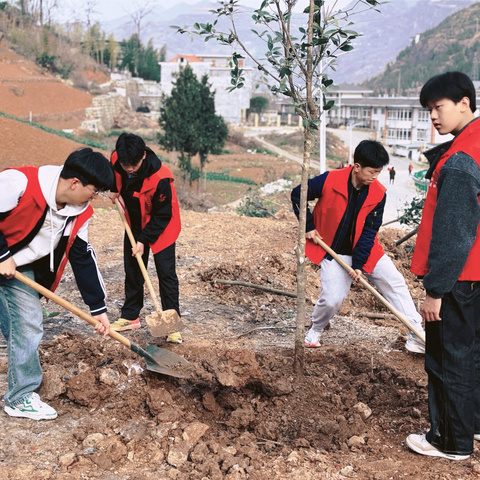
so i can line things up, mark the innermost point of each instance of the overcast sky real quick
(111, 9)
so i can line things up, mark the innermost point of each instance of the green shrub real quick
(47, 61)
(222, 177)
(253, 206)
(412, 212)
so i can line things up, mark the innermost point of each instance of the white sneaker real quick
(32, 407)
(414, 344)
(419, 444)
(312, 339)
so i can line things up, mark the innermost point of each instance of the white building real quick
(232, 105)
(400, 122)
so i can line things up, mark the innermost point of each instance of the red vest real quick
(329, 211)
(468, 143)
(28, 212)
(20, 222)
(145, 197)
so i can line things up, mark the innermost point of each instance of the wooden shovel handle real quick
(377, 295)
(65, 304)
(138, 256)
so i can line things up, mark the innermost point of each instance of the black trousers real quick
(134, 281)
(452, 362)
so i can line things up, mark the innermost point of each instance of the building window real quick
(423, 115)
(422, 135)
(359, 112)
(399, 134)
(400, 114)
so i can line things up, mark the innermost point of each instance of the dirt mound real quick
(243, 413)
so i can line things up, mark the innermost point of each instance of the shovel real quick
(161, 323)
(157, 359)
(377, 295)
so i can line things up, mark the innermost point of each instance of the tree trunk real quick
(300, 252)
(203, 161)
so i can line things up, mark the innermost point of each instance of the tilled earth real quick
(242, 413)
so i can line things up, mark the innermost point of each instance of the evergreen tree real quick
(131, 53)
(213, 128)
(140, 61)
(190, 125)
(148, 67)
(258, 104)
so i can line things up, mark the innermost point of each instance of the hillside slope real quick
(454, 44)
(27, 89)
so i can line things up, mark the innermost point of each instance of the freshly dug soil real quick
(242, 413)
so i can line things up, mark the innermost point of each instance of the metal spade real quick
(161, 323)
(157, 359)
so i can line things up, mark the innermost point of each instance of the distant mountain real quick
(384, 34)
(454, 44)
(157, 26)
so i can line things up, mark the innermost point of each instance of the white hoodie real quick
(12, 185)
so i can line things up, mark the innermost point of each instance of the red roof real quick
(188, 58)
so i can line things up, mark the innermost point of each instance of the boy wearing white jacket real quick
(44, 215)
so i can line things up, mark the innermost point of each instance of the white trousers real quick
(336, 284)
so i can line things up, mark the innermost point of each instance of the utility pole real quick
(322, 131)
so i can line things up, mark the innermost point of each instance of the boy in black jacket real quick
(447, 256)
(145, 189)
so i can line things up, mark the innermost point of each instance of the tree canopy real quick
(296, 58)
(189, 123)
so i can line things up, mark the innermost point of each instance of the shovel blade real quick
(164, 361)
(164, 323)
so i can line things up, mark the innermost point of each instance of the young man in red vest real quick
(44, 215)
(447, 256)
(347, 216)
(146, 190)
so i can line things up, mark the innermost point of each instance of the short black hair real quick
(130, 148)
(90, 168)
(370, 153)
(451, 85)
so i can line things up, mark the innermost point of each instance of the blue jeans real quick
(21, 322)
(452, 362)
